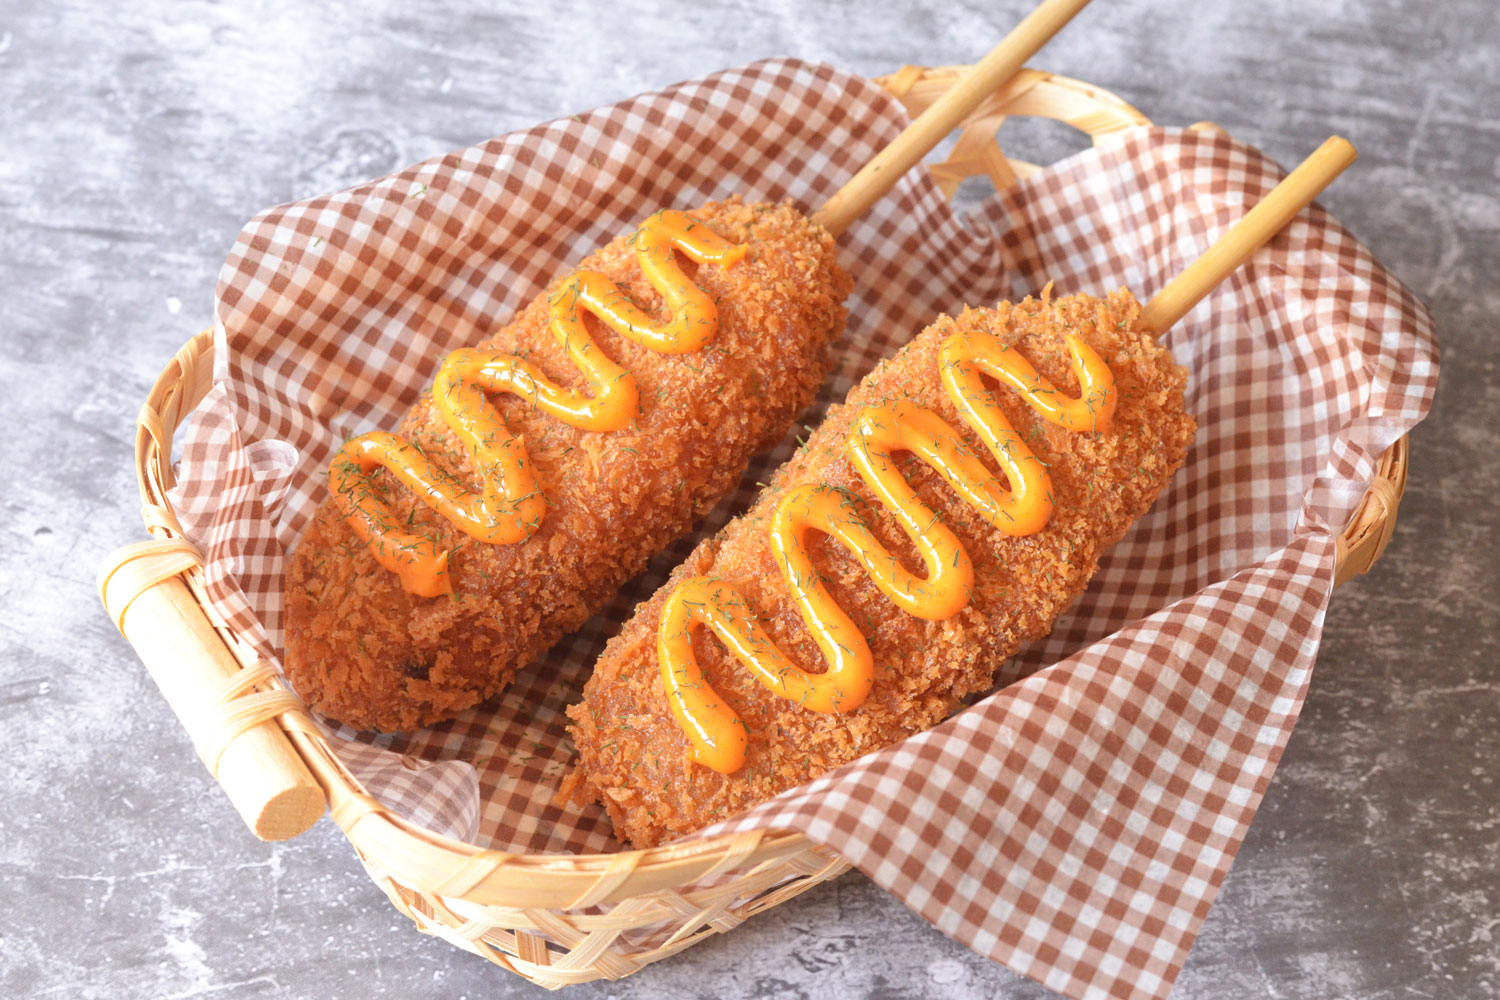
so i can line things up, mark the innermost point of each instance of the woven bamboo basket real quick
(554, 919)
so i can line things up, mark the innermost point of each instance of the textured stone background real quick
(134, 140)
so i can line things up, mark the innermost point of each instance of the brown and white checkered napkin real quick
(1075, 824)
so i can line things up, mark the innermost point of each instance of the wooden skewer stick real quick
(984, 78)
(1249, 234)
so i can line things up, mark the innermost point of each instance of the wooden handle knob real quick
(247, 752)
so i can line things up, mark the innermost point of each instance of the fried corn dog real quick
(557, 516)
(1026, 528)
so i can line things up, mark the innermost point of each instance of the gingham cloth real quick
(1077, 823)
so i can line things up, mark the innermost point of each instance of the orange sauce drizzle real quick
(718, 735)
(510, 504)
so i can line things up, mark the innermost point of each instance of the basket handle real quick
(1002, 63)
(237, 730)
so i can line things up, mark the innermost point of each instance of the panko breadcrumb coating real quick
(362, 650)
(633, 757)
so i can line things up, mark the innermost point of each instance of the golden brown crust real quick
(366, 653)
(631, 754)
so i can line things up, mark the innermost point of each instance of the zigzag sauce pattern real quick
(719, 736)
(510, 505)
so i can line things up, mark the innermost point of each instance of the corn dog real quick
(707, 702)
(551, 461)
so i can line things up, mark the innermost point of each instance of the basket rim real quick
(432, 863)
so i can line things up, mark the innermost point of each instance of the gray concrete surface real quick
(135, 139)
